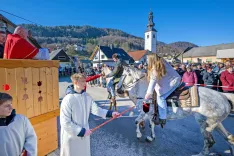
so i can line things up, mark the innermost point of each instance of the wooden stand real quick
(35, 92)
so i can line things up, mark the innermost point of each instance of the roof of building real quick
(150, 26)
(108, 51)
(207, 50)
(226, 53)
(54, 53)
(3, 18)
(137, 55)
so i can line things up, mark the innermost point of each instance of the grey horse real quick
(213, 108)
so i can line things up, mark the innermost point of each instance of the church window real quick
(154, 36)
(147, 36)
(103, 56)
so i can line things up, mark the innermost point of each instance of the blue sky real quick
(203, 22)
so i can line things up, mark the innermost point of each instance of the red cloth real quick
(18, 48)
(227, 79)
(24, 153)
(190, 77)
(91, 78)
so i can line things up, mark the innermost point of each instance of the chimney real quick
(111, 46)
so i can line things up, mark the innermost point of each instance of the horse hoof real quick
(149, 139)
(231, 139)
(131, 113)
(139, 135)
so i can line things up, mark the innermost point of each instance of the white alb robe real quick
(18, 135)
(74, 115)
(43, 54)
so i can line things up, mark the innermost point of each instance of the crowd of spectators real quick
(212, 76)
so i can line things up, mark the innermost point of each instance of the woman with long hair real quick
(164, 80)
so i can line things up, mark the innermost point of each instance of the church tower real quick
(150, 35)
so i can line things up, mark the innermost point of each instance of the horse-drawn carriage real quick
(33, 84)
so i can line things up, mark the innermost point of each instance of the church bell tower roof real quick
(150, 26)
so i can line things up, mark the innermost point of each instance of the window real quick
(154, 36)
(103, 56)
(209, 60)
(61, 57)
(147, 36)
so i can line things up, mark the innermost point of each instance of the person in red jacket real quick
(189, 77)
(17, 47)
(227, 79)
(89, 78)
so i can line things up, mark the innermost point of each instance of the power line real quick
(19, 17)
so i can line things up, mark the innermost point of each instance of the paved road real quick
(118, 138)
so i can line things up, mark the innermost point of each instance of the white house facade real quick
(103, 55)
(100, 58)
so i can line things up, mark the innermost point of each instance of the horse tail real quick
(230, 98)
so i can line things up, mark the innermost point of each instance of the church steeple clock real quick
(150, 35)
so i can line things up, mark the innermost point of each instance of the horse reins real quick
(131, 85)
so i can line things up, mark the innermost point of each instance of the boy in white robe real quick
(16, 132)
(74, 115)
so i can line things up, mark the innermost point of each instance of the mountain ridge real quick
(65, 36)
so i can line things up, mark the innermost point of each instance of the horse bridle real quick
(127, 86)
(131, 84)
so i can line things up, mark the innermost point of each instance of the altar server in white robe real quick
(16, 132)
(74, 115)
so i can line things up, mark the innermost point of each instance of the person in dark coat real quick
(179, 70)
(116, 74)
(227, 78)
(32, 40)
(221, 69)
(183, 69)
(203, 69)
(2, 43)
(209, 78)
(198, 73)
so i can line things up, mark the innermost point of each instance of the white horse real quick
(213, 108)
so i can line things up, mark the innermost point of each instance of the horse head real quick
(106, 71)
(133, 84)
